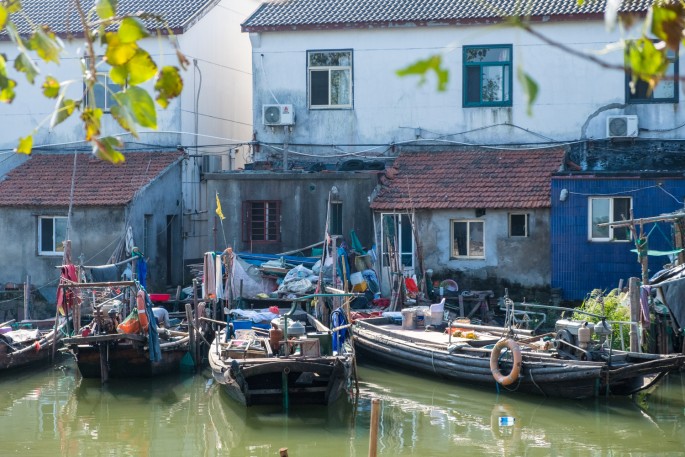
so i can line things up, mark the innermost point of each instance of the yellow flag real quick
(218, 208)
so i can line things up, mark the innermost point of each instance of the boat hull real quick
(120, 357)
(542, 375)
(280, 380)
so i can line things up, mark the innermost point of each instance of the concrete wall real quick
(575, 96)
(216, 113)
(520, 264)
(303, 198)
(96, 232)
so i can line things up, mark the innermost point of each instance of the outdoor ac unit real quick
(278, 114)
(622, 126)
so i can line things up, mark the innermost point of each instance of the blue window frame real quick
(487, 75)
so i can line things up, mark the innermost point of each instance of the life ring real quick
(494, 361)
(142, 313)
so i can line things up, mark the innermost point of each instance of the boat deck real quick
(420, 334)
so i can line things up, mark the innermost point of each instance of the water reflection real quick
(54, 412)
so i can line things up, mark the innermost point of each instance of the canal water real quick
(53, 412)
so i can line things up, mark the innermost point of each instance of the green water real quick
(53, 412)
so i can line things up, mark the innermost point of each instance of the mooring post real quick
(373, 437)
(283, 452)
(634, 294)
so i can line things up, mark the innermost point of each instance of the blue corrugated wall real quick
(578, 265)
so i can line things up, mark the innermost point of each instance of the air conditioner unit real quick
(278, 114)
(622, 126)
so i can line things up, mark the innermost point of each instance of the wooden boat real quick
(299, 361)
(106, 348)
(30, 343)
(579, 373)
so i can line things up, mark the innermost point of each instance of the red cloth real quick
(66, 297)
(355, 315)
(381, 302)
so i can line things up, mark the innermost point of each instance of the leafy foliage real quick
(129, 66)
(612, 305)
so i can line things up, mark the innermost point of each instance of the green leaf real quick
(141, 105)
(7, 86)
(91, 120)
(421, 67)
(530, 89)
(645, 61)
(131, 30)
(24, 64)
(50, 87)
(46, 44)
(25, 145)
(106, 149)
(65, 108)
(124, 116)
(105, 9)
(668, 21)
(118, 53)
(168, 85)
(3, 16)
(136, 71)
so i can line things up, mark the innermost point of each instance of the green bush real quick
(613, 306)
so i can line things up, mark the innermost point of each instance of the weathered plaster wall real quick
(303, 197)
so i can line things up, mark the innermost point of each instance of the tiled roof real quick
(304, 14)
(63, 18)
(469, 179)
(45, 179)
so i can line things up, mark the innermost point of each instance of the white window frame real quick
(405, 252)
(526, 225)
(330, 69)
(55, 243)
(610, 232)
(453, 252)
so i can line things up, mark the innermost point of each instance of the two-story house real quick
(326, 89)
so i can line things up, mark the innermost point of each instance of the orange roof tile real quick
(45, 179)
(469, 179)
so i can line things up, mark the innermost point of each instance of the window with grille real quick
(262, 221)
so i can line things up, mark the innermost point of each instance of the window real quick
(52, 231)
(262, 221)
(330, 79)
(467, 239)
(664, 92)
(604, 210)
(487, 75)
(518, 225)
(335, 224)
(103, 89)
(396, 232)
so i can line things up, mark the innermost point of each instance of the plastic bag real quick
(297, 273)
(131, 324)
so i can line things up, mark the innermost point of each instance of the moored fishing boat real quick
(138, 346)
(30, 342)
(568, 369)
(293, 359)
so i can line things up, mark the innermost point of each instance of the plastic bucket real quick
(408, 319)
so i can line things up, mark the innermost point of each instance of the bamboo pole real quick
(373, 435)
(191, 328)
(634, 294)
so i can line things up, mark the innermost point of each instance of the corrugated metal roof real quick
(496, 179)
(307, 14)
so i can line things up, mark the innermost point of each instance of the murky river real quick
(53, 412)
